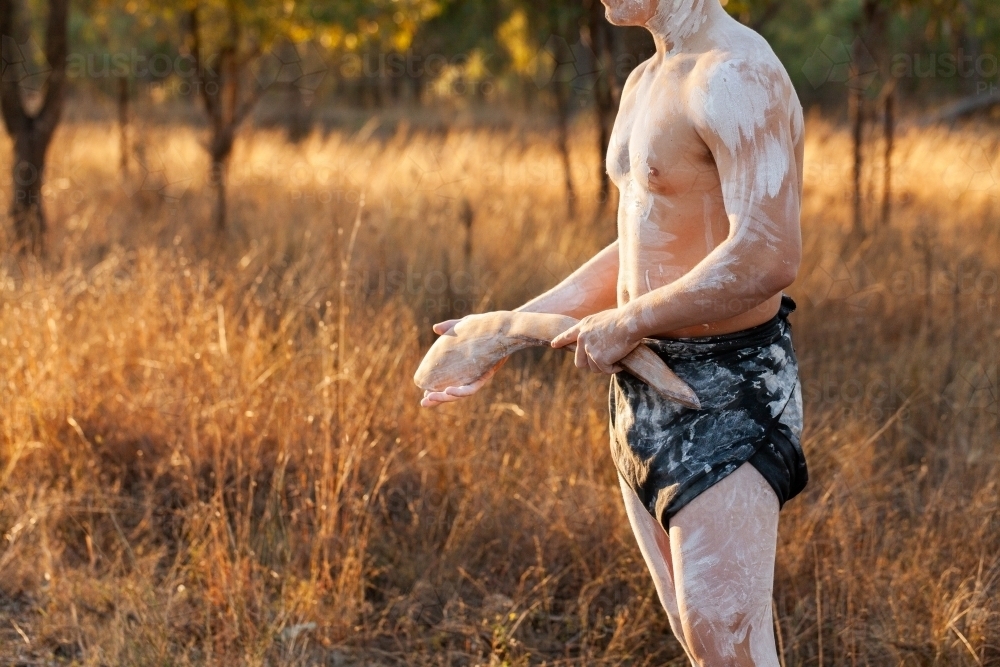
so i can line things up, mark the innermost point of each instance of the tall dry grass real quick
(211, 450)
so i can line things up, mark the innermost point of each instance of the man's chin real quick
(619, 18)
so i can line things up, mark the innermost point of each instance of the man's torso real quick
(671, 212)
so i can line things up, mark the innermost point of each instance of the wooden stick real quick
(479, 342)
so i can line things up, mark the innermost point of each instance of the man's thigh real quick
(723, 545)
(654, 543)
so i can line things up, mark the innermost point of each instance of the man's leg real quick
(723, 546)
(654, 543)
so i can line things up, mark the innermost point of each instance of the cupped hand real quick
(602, 340)
(450, 394)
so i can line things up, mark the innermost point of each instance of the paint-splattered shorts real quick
(751, 400)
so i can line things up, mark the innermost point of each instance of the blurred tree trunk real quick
(877, 17)
(889, 130)
(224, 102)
(418, 83)
(371, 75)
(562, 95)
(30, 131)
(857, 113)
(596, 33)
(123, 95)
(300, 114)
(971, 47)
(872, 27)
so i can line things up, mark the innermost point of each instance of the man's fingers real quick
(441, 328)
(435, 398)
(566, 337)
(465, 390)
(608, 370)
(594, 366)
(582, 359)
(451, 394)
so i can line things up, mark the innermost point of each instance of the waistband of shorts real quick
(756, 336)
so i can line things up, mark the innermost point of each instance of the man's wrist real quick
(629, 317)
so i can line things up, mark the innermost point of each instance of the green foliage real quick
(503, 36)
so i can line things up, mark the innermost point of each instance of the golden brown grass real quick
(211, 451)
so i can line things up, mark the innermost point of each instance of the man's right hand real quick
(434, 398)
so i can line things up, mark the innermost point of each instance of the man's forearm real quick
(724, 285)
(590, 289)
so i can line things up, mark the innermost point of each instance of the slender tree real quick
(227, 90)
(597, 33)
(123, 114)
(31, 122)
(239, 48)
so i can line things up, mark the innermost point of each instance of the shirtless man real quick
(707, 154)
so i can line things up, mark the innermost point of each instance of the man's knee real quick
(719, 638)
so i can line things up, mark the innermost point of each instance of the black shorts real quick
(751, 401)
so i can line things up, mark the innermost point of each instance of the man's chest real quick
(654, 143)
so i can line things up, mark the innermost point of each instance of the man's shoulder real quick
(740, 87)
(633, 77)
(745, 59)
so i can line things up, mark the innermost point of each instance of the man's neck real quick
(679, 24)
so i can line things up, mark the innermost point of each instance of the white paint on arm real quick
(741, 111)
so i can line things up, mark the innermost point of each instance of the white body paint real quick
(709, 129)
(707, 154)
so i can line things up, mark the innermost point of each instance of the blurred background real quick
(227, 227)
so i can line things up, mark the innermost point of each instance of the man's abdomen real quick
(655, 253)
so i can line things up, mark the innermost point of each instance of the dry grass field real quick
(212, 453)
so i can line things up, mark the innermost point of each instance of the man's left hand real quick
(602, 339)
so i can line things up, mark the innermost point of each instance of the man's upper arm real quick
(742, 113)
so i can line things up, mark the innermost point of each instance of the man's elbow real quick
(779, 275)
